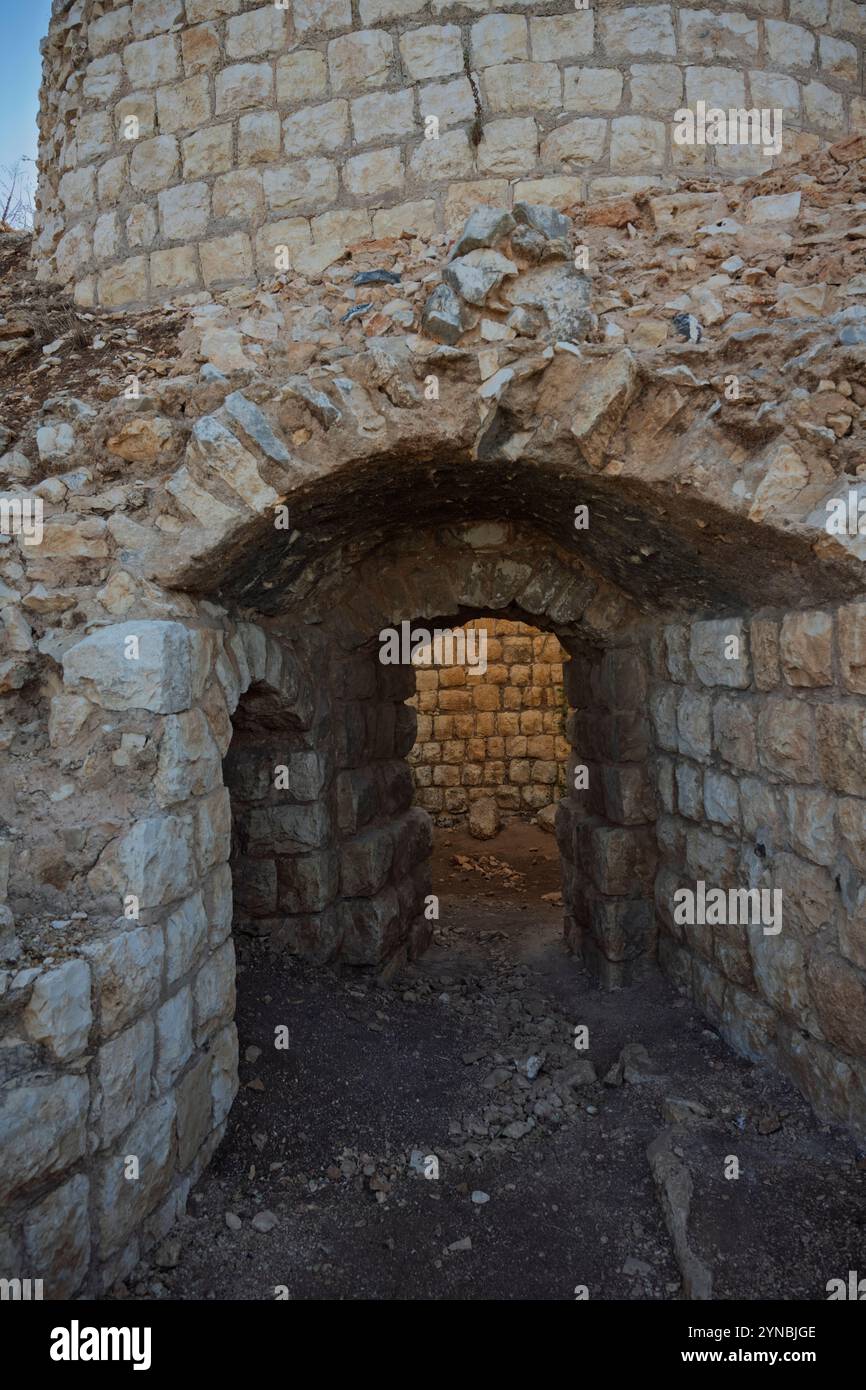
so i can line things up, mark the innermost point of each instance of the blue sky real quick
(22, 24)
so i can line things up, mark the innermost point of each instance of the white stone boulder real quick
(134, 665)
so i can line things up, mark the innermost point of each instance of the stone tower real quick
(191, 144)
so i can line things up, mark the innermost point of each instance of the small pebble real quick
(264, 1221)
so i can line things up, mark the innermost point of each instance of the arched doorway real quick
(689, 696)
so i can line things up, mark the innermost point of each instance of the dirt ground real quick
(543, 1184)
(92, 351)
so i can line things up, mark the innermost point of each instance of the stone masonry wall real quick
(119, 1042)
(192, 144)
(740, 767)
(117, 1034)
(605, 823)
(500, 734)
(329, 856)
(761, 783)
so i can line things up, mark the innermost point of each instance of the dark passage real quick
(436, 1063)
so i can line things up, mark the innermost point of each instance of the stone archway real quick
(434, 581)
(133, 1026)
(333, 859)
(161, 971)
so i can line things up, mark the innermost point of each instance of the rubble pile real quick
(770, 275)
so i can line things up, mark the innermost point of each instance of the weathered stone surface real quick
(243, 85)
(789, 45)
(290, 829)
(69, 714)
(690, 791)
(189, 760)
(224, 1084)
(255, 886)
(309, 882)
(515, 86)
(486, 227)
(787, 740)
(781, 207)
(360, 60)
(484, 819)
(637, 143)
(194, 1110)
(852, 931)
(734, 732)
(153, 163)
(638, 30)
(475, 275)
(811, 817)
(55, 441)
(806, 649)
(711, 857)
(694, 713)
(721, 799)
(840, 1001)
(142, 439)
(592, 90)
(319, 402)
(153, 861)
(809, 895)
(747, 1023)
(365, 861)
(827, 1079)
(212, 830)
(217, 452)
(121, 1204)
(621, 860)
(42, 1130)
(561, 293)
(764, 647)
(445, 316)
(57, 1238)
(218, 904)
(371, 927)
(127, 972)
(601, 405)
(58, 1012)
(173, 1038)
(186, 936)
(674, 1184)
(851, 632)
(852, 830)
(719, 652)
(663, 704)
(842, 747)
(214, 991)
(133, 665)
(628, 795)
(779, 964)
(123, 1071)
